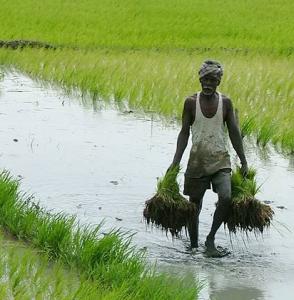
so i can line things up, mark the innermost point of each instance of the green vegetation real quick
(261, 90)
(27, 274)
(168, 209)
(147, 54)
(247, 213)
(171, 24)
(108, 259)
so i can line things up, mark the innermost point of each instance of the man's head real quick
(210, 75)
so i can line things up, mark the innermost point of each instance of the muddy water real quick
(101, 164)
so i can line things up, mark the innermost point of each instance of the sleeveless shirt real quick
(209, 151)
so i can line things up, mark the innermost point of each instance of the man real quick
(206, 114)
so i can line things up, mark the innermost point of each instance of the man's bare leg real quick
(193, 227)
(223, 183)
(220, 215)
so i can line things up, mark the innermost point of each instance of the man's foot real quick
(212, 251)
(192, 249)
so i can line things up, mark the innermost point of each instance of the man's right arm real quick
(183, 136)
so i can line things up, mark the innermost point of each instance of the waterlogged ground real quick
(102, 164)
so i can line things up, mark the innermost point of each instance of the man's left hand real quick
(244, 169)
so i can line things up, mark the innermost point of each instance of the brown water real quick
(101, 164)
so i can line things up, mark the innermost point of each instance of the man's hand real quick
(244, 169)
(173, 165)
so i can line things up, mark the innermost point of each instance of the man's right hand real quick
(173, 165)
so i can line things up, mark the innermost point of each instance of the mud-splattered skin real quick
(208, 104)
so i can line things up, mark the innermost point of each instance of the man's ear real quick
(218, 82)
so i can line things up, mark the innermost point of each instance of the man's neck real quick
(208, 97)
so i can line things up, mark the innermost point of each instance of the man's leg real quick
(222, 184)
(193, 227)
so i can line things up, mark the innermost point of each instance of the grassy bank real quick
(108, 259)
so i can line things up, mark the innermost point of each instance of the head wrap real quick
(211, 67)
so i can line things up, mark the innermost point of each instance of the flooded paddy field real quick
(100, 163)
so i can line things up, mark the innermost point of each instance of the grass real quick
(27, 274)
(108, 259)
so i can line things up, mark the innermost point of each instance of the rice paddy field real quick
(147, 54)
(139, 56)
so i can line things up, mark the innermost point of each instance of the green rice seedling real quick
(168, 209)
(160, 81)
(248, 126)
(26, 274)
(109, 260)
(247, 213)
(265, 134)
(54, 234)
(155, 24)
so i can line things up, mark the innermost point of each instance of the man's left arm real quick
(235, 135)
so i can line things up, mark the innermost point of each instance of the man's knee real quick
(198, 203)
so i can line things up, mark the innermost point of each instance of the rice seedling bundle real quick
(171, 212)
(168, 209)
(247, 213)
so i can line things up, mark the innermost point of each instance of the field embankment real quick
(119, 270)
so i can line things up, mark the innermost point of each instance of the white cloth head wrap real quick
(211, 67)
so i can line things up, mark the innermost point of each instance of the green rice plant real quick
(259, 26)
(168, 209)
(110, 260)
(160, 81)
(247, 213)
(26, 274)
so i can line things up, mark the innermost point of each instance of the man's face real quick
(209, 84)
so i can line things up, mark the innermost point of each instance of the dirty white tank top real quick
(209, 151)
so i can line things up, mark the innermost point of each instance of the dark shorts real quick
(220, 182)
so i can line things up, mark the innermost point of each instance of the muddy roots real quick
(168, 209)
(171, 216)
(247, 213)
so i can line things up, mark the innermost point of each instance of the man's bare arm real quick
(235, 135)
(184, 134)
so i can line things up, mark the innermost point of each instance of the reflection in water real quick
(70, 153)
(234, 293)
(291, 163)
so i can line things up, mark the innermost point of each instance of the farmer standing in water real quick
(206, 113)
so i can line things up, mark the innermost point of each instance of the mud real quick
(20, 44)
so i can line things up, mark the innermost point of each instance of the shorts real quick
(220, 181)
